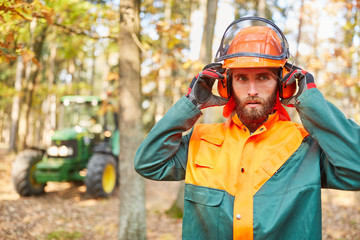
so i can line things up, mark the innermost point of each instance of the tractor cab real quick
(84, 147)
(89, 117)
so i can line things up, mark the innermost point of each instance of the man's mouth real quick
(252, 103)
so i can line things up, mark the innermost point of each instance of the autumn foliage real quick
(13, 15)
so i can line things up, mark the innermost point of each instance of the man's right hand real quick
(200, 89)
(305, 82)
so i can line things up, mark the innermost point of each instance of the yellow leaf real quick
(35, 61)
(112, 76)
(48, 15)
(27, 56)
(9, 38)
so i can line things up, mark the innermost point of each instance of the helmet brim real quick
(253, 62)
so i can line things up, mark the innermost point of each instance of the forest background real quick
(49, 49)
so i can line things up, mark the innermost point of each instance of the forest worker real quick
(258, 175)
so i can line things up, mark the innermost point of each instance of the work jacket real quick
(261, 185)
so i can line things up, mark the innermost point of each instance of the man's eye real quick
(264, 77)
(241, 78)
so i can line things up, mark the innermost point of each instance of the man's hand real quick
(200, 89)
(305, 82)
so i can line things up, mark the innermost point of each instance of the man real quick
(258, 175)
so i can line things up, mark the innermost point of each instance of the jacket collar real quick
(272, 118)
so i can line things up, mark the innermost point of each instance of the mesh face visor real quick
(253, 41)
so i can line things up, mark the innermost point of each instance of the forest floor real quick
(66, 212)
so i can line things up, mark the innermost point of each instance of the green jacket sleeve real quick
(163, 153)
(338, 138)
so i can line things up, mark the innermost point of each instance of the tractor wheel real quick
(22, 173)
(102, 175)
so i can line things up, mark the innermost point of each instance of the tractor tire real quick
(102, 175)
(22, 173)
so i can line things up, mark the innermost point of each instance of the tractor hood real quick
(67, 133)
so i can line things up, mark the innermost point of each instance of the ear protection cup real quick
(286, 91)
(224, 85)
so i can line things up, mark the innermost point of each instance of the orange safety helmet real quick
(258, 41)
(254, 43)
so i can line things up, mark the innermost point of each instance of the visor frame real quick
(221, 53)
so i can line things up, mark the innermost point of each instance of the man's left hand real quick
(305, 82)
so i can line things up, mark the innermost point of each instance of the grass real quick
(63, 235)
(175, 212)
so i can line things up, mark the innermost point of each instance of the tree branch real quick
(84, 33)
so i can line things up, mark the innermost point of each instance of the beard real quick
(258, 115)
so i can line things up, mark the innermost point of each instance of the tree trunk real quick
(21, 134)
(93, 72)
(206, 48)
(74, 85)
(37, 47)
(22, 126)
(50, 102)
(132, 219)
(15, 112)
(348, 43)
(261, 8)
(165, 70)
(208, 34)
(301, 17)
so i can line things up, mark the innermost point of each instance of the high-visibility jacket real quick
(264, 185)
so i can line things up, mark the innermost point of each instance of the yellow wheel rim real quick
(109, 178)
(31, 176)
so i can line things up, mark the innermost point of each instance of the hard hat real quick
(259, 40)
(253, 42)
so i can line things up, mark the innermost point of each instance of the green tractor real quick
(84, 148)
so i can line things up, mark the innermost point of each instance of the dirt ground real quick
(66, 212)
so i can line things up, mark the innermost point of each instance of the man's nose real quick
(252, 91)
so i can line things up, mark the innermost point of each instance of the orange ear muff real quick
(286, 91)
(224, 85)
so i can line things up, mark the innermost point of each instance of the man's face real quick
(254, 91)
